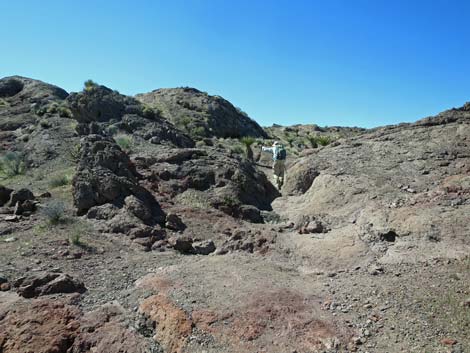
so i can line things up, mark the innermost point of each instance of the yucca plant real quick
(247, 141)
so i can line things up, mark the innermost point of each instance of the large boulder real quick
(199, 112)
(105, 174)
(47, 325)
(44, 283)
(4, 195)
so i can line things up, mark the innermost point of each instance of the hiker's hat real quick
(275, 143)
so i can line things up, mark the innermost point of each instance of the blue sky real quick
(333, 62)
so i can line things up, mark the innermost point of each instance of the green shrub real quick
(52, 108)
(124, 141)
(54, 212)
(74, 153)
(183, 123)
(198, 131)
(59, 181)
(64, 112)
(75, 238)
(237, 150)
(231, 202)
(324, 140)
(290, 140)
(12, 163)
(149, 112)
(45, 124)
(313, 141)
(89, 85)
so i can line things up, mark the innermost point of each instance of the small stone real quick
(63, 252)
(12, 218)
(357, 341)
(5, 287)
(10, 240)
(204, 247)
(448, 341)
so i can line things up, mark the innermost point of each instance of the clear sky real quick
(332, 62)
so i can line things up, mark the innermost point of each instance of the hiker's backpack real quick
(280, 153)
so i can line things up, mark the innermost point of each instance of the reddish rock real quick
(39, 326)
(448, 341)
(173, 326)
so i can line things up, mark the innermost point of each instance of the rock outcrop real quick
(105, 175)
(201, 114)
(409, 180)
(100, 109)
(209, 178)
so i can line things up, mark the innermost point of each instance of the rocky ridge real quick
(162, 246)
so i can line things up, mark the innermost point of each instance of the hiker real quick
(279, 162)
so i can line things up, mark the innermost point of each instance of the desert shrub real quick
(290, 140)
(74, 152)
(198, 131)
(45, 124)
(59, 180)
(52, 108)
(3, 103)
(184, 122)
(64, 112)
(89, 85)
(149, 112)
(324, 140)
(54, 212)
(313, 141)
(75, 238)
(230, 201)
(12, 163)
(237, 150)
(124, 141)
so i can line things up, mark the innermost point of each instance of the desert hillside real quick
(151, 224)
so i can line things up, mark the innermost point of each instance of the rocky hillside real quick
(200, 114)
(123, 231)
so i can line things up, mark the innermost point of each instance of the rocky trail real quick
(128, 232)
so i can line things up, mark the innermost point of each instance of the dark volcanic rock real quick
(211, 115)
(202, 178)
(47, 283)
(22, 98)
(106, 175)
(204, 247)
(10, 86)
(20, 196)
(99, 108)
(4, 195)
